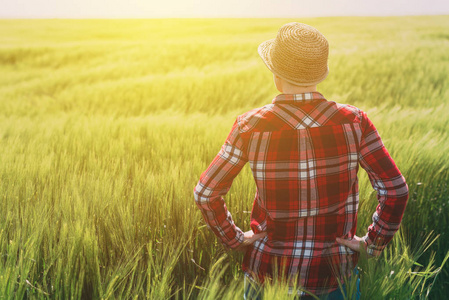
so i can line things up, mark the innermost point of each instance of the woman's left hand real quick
(250, 237)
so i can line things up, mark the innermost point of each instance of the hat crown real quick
(295, 32)
(298, 54)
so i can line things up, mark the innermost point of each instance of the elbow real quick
(201, 194)
(196, 195)
(402, 189)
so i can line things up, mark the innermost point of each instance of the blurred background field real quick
(106, 126)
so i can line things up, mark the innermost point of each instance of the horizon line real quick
(216, 17)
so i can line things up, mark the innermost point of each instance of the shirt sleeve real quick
(215, 182)
(388, 182)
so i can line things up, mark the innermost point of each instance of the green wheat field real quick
(106, 126)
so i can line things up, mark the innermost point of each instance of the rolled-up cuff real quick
(374, 247)
(235, 242)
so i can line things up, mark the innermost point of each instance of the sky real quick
(212, 8)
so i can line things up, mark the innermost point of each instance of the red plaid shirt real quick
(304, 153)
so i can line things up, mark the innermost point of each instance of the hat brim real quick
(264, 51)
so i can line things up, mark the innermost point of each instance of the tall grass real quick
(106, 126)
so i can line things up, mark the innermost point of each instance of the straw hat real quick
(298, 54)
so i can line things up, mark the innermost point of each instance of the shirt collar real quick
(298, 98)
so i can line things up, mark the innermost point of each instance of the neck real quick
(290, 89)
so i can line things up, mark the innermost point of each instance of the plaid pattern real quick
(304, 153)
